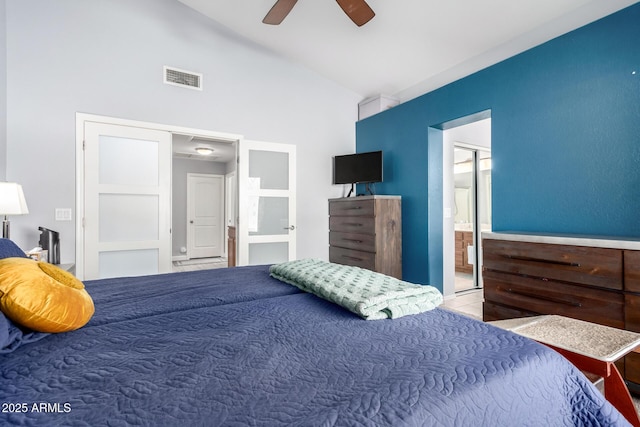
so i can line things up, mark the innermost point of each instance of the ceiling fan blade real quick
(358, 10)
(279, 11)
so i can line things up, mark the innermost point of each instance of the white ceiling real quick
(184, 146)
(411, 46)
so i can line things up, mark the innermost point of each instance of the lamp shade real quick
(12, 200)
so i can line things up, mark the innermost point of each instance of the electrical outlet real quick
(63, 214)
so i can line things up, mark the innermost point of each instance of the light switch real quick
(63, 214)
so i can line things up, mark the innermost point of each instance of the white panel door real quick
(205, 215)
(127, 201)
(266, 231)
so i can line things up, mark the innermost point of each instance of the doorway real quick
(466, 203)
(472, 213)
(196, 160)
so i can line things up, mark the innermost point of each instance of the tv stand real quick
(367, 189)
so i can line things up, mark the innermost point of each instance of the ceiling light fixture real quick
(205, 151)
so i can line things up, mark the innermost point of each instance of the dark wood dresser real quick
(588, 278)
(366, 232)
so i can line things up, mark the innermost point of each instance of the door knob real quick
(291, 227)
(191, 222)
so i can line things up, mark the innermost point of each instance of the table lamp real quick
(12, 202)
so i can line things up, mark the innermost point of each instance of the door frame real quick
(221, 224)
(81, 119)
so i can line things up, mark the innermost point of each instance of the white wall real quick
(3, 91)
(106, 56)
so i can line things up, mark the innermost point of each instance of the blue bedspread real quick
(223, 357)
(134, 297)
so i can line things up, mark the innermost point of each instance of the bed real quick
(237, 347)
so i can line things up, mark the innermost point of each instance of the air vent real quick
(182, 78)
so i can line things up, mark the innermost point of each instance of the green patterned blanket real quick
(368, 294)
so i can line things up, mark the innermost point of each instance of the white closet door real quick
(127, 201)
(267, 203)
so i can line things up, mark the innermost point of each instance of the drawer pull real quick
(355, 208)
(352, 258)
(546, 261)
(352, 240)
(354, 224)
(544, 298)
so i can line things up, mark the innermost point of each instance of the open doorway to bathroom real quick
(472, 212)
(467, 202)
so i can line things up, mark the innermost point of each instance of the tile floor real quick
(468, 302)
(463, 281)
(199, 264)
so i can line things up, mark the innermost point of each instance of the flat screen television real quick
(359, 168)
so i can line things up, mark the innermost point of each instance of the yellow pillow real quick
(43, 297)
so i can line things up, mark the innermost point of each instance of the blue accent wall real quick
(565, 142)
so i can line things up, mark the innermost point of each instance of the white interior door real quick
(127, 201)
(266, 231)
(205, 215)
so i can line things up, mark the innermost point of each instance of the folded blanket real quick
(366, 293)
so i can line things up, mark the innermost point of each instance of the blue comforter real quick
(135, 297)
(249, 350)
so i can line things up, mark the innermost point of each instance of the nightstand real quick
(589, 346)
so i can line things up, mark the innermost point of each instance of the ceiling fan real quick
(357, 10)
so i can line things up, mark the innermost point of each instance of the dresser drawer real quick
(352, 207)
(632, 271)
(548, 297)
(352, 257)
(585, 265)
(361, 242)
(632, 312)
(358, 225)
(632, 367)
(492, 311)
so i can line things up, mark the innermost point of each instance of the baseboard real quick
(179, 258)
